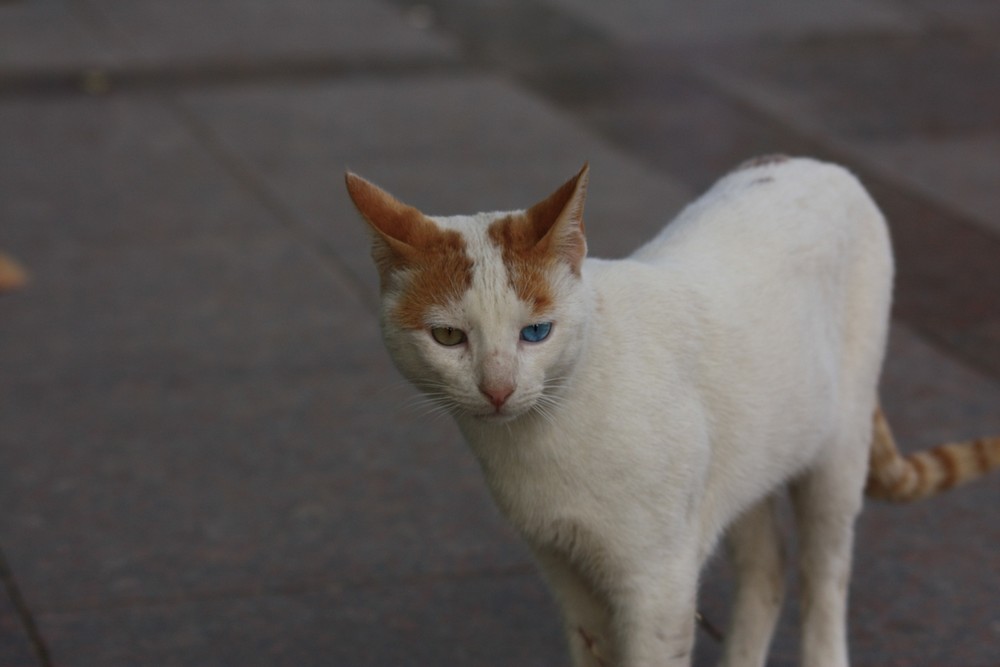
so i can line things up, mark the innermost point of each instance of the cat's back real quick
(781, 243)
(768, 212)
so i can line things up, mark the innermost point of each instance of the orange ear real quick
(557, 220)
(387, 215)
(399, 229)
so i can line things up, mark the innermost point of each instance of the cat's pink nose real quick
(497, 395)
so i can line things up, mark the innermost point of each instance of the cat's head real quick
(487, 313)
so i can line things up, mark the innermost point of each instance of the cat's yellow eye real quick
(448, 336)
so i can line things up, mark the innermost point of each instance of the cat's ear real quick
(558, 220)
(398, 228)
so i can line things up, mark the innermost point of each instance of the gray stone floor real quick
(205, 455)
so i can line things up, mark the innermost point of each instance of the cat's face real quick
(485, 313)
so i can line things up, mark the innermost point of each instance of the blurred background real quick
(205, 455)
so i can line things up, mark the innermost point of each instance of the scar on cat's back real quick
(763, 161)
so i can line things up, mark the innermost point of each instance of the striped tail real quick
(12, 276)
(898, 478)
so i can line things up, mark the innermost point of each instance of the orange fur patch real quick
(437, 267)
(527, 262)
(948, 467)
(569, 244)
(533, 242)
(439, 275)
(982, 454)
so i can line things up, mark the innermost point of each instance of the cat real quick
(628, 413)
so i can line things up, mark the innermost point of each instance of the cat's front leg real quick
(654, 618)
(585, 612)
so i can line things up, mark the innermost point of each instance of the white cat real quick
(627, 413)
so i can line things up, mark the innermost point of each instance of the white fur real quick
(679, 391)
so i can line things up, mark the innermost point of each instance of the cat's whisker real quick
(428, 404)
(549, 402)
(434, 401)
(435, 412)
(418, 400)
(542, 411)
(393, 386)
(545, 406)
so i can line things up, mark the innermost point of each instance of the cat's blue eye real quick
(536, 333)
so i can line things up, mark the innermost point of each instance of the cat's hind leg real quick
(757, 553)
(827, 500)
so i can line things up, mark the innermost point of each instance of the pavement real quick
(206, 457)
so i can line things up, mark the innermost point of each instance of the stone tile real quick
(871, 87)
(926, 582)
(724, 20)
(488, 621)
(259, 301)
(217, 430)
(136, 240)
(108, 171)
(195, 399)
(673, 120)
(522, 36)
(947, 285)
(961, 172)
(15, 646)
(933, 397)
(51, 35)
(235, 488)
(237, 31)
(972, 15)
(445, 144)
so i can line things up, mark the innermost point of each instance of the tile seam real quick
(24, 613)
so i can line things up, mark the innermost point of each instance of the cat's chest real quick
(536, 482)
(556, 513)
(578, 484)
(539, 476)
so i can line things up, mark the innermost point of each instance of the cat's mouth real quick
(529, 404)
(505, 413)
(497, 415)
